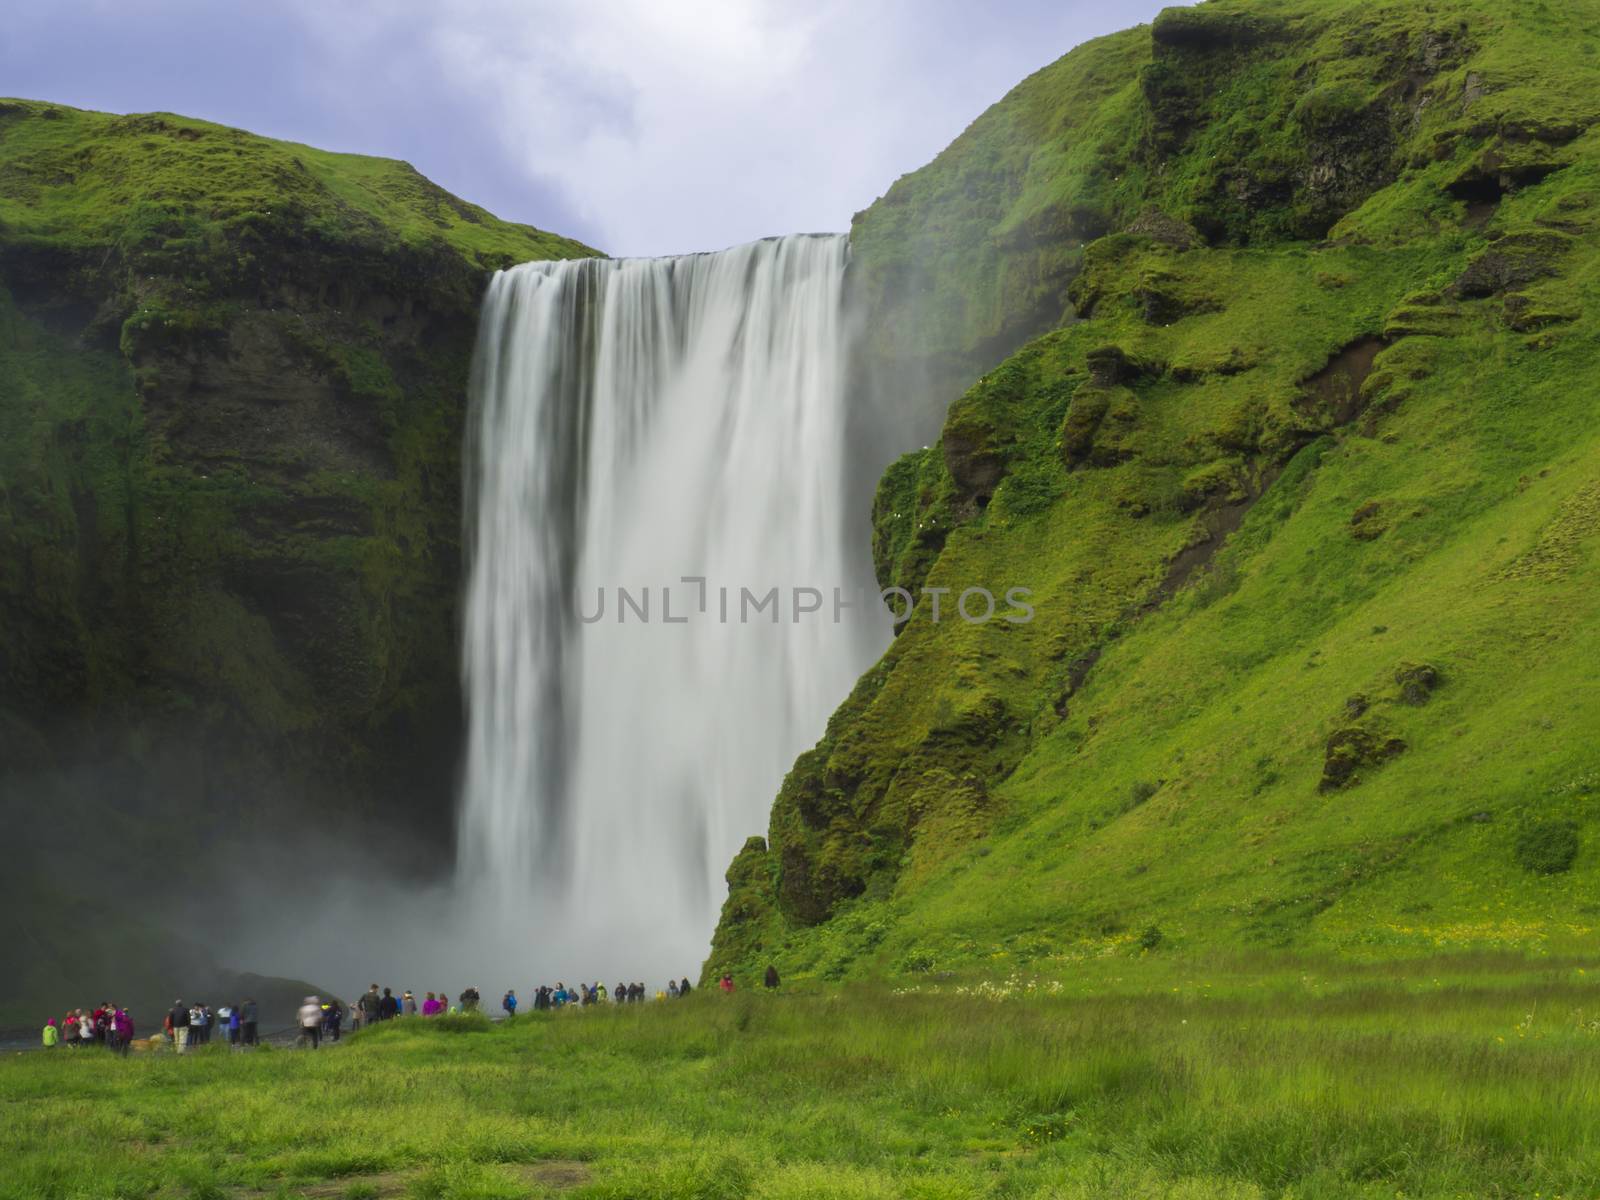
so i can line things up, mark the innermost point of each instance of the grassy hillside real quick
(1155, 1079)
(1308, 499)
(152, 182)
(232, 379)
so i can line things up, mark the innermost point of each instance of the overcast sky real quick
(638, 126)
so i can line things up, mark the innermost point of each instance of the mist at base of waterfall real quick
(353, 925)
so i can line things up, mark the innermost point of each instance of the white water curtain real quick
(636, 422)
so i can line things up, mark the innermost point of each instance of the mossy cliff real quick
(232, 379)
(1303, 472)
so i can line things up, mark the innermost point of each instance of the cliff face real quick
(1302, 486)
(232, 379)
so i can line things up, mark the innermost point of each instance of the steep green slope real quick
(232, 378)
(1308, 500)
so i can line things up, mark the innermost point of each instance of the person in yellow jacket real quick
(52, 1035)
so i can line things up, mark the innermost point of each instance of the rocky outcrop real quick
(1352, 749)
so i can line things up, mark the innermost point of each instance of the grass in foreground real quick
(1148, 1077)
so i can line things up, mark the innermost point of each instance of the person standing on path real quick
(121, 1031)
(179, 1016)
(311, 1022)
(52, 1035)
(248, 1014)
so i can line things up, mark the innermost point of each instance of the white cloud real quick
(676, 125)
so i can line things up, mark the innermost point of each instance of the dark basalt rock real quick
(1417, 682)
(1082, 422)
(1112, 365)
(976, 467)
(1501, 167)
(808, 890)
(1368, 522)
(1351, 749)
(1511, 262)
(1169, 231)
(1160, 303)
(1494, 272)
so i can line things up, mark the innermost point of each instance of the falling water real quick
(637, 423)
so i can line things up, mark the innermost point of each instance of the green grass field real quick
(1148, 1075)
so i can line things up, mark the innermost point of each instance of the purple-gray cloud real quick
(639, 126)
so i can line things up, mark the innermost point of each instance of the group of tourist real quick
(324, 1019)
(549, 999)
(373, 1007)
(189, 1025)
(108, 1025)
(185, 1025)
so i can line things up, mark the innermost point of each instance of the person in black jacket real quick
(248, 1014)
(370, 1004)
(388, 1007)
(179, 1016)
(771, 979)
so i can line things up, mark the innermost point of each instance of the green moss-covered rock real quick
(1352, 749)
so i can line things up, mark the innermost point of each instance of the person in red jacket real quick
(726, 984)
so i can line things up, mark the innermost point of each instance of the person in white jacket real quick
(311, 1021)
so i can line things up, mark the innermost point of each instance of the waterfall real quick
(639, 426)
